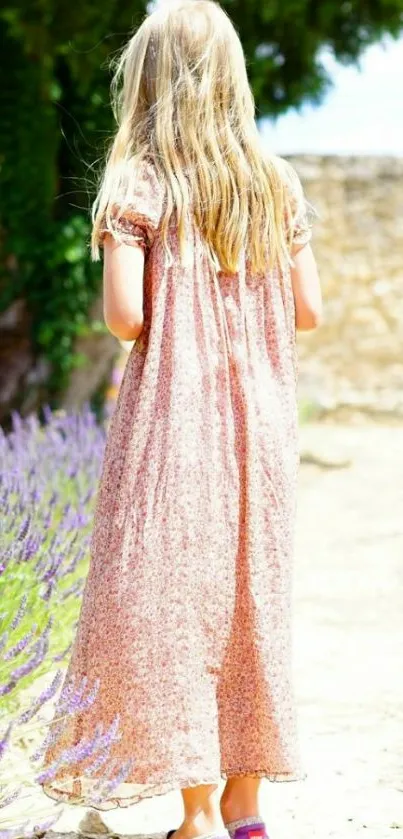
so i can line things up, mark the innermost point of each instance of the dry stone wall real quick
(355, 359)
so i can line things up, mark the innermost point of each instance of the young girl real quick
(185, 618)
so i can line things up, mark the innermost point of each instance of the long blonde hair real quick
(181, 97)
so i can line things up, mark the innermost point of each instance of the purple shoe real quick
(247, 829)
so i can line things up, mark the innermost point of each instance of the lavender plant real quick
(48, 482)
(48, 479)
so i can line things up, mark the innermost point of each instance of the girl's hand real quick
(123, 289)
(306, 288)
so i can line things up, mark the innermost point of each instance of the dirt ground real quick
(348, 650)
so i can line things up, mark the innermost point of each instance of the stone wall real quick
(355, 359)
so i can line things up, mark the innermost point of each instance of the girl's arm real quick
(123, 289)
(306, 288)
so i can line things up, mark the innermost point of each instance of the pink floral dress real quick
(186, 614)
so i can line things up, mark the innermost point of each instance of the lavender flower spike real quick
(5, 740)
(20, 613)
(47, 694)
(40, 650)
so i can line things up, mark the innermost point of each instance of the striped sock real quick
(250, 820)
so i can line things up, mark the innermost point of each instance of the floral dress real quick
(185, 622)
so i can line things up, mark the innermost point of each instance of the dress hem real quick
(151, 791)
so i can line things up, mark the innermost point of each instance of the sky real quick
(362, 113)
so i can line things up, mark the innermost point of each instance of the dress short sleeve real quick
(134, 218)
(299, 218)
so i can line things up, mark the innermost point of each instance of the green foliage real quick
(283, 40)
(55, 123)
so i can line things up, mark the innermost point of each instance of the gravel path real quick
(348, 646)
